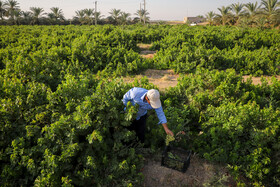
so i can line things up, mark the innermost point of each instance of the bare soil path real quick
(165, 79)
(145, 51)
(257, 80)
(200, 173)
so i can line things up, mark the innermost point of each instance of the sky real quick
(158, 9)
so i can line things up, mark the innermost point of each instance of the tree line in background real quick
(11, 14)
(267, 14)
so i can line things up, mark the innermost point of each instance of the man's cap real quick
(153, 96)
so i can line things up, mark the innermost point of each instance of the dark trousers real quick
(139, 127)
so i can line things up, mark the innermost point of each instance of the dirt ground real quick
(145, 52)
(199, 173)
(257, 80)
(164, 79)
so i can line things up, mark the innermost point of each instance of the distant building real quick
(193, 20)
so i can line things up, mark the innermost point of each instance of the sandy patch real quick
(147, 55)
(145, 52)
(257, 80)
(199, 173)
(163, 79)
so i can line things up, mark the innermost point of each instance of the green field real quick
(61, 119)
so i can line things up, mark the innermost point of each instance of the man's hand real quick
(169, 132)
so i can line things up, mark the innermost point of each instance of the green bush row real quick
(249, 51)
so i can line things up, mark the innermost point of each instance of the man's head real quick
(153, 98)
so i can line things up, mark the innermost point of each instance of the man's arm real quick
(167, 130)
(163, 121)
(127, 97)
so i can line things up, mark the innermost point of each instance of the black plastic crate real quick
(176, 158)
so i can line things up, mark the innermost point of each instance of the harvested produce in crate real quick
(168, 139)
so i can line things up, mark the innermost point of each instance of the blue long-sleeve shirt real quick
(137, 95)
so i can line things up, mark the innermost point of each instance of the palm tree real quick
(2, 10)
(270, 6)
(139, 14)
(210, 17)
(12, 6)
(98, 16)
(56, 14)
(238, 11)
(80, 15)
(51, 17)
(270, 10)
(17, 16)
(115, 15)
(261, 22)
(225, 14)
(124, 18)
(36, 13)
(26, 17)
(278, 13)
(89, 13)
(252, 8)
(277, 17)
(143, 15)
